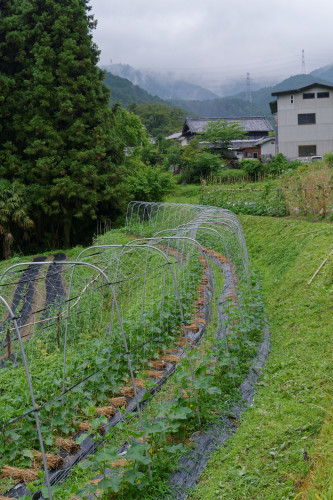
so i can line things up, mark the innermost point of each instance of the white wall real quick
(291, 135)
(268, 148)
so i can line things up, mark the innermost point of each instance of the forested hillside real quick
(225, 106)
(125, 92)
(165, 86)
(238, 105)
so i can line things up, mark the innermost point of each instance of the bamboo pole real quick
(321, 265)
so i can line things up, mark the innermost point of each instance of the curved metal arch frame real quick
(32, 394)
(148, 247)
(71, 263)
(202, 211)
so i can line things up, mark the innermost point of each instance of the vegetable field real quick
(110, 362)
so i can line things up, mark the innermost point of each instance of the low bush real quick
(251, 167)
(149, 183)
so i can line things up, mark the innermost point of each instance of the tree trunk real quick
(67, 224)
(7, 242)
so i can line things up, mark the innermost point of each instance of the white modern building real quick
(304, 121)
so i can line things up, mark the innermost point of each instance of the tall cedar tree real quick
(57, 132)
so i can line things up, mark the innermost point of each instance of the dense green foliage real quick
(197, 162)
(13, 213)
(149, 182)
(58, 135)
(159, 118)
(221, 132)
(56, 126)
(258, 199)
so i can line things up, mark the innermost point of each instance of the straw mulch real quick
(26, 475)
(53, 461)
(121, 462)
(158, 364)
(154, 374)
(118, 402)
(171, 358)
(86, 427)
(67, 445)
(107, 411)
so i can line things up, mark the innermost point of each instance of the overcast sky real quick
(219, 39)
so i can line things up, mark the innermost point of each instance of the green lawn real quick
(274, 449)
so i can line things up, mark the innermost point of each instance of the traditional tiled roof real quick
(248, 123)
(176, 135)
(250, 143)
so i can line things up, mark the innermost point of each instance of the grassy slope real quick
(274, 449)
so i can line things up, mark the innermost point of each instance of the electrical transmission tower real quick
(248, 88)
(303, 72)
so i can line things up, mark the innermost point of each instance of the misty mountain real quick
(162, 85)
(235, 86)
(326, 72)
(237, 105)
(262, 97)
(125, 92)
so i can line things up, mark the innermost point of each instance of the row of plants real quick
(89, 360)
(304, 192)
(170, 419)
(266, 200)
(90, 394)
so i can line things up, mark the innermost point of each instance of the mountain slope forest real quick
(165, 86)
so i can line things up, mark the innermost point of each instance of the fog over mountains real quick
(130, 85)
(168, 86)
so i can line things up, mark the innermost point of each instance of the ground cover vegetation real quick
(218, 370)
(282, 448)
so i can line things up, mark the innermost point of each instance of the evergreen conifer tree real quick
(57, 132)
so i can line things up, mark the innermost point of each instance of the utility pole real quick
(303, 72)
(248, 88)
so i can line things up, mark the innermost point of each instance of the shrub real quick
(251, 167)
(149, 183)
(202, 165)
(280, 164)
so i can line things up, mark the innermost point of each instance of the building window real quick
(248, 154)
(306, 118)
(255, 155)
(322, 95)
(309, 95)
(291, 99)
(307, 150)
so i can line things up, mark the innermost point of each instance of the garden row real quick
(132, 314)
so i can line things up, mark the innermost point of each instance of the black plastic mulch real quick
(55, 292)
(23, 295)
